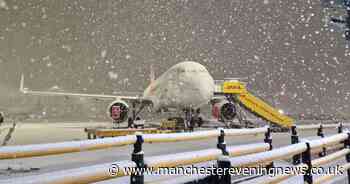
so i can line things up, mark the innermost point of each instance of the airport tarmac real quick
(36, 133)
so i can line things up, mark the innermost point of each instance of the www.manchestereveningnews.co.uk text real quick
(212, 170)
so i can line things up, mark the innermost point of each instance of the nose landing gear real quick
(192, 118)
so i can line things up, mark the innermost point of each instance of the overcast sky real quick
(281, 48)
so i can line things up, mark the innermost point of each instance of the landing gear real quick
(132, 119)
(135, 117)
(192, 118)
(187, 119)
(130, 122)
(196, 118)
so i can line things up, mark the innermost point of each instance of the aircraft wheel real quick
(200, 122)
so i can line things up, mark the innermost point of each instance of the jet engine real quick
(118, 111)
(224, 111)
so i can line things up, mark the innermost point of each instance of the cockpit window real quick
(180, 70)
(190, 70)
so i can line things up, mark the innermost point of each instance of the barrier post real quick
(268, 140)
(347, 156)
(88, 133)
(295, 140)
(306, 159)
(320, 133)
(221, 142)
(137, 157)
(340, 128)
(223, 175)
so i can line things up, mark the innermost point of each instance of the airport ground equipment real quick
(236, 92)
(93, 133)
(170, 125)
(227, 157)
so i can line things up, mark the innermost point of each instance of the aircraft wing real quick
(137, 99)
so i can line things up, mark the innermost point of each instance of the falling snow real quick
(3, 5)
(112, 75)
(285, 51)
(104, 53)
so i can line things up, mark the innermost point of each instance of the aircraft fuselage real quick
(185, 85)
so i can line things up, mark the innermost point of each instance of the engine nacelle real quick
(224, 111)
(118, 111)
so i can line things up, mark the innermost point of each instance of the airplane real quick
(185, 88)
(342, 23)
